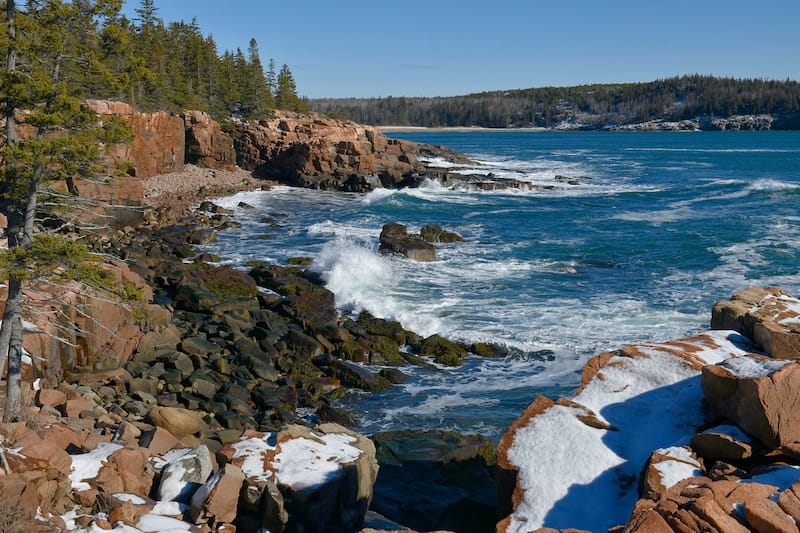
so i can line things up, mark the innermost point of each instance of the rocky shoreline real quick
(207, 399)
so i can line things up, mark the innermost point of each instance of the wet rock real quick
(442, 351)
(352, 374)
(394, 238)
(434, 233)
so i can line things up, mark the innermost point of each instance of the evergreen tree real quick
(286, 92)
(272, 78)
(61, 142)
(260, 96)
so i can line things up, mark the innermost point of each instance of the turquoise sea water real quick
(668, 224)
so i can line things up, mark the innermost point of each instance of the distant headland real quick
(681, 103)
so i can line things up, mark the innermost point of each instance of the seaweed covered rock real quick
(442, 351)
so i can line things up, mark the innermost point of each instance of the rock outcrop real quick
(206, 144)
(767, 315)
(396, 239)
(760, 395)
(159, 144)
(742, 475)
(324, 153)
(73, 329)
(561, 455)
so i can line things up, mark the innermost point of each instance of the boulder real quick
(768, 315)
(306, 301)
(665, 468)
(431, 480)
(759, 394)
(434, 233)
(301, 479)
(185, 471)
(177, 421)
(725, 443)
(442, 351)
(352, 374)
(395, 239)
(217, 500)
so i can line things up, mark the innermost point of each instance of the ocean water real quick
(667, 224)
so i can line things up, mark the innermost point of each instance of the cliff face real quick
(322, 153)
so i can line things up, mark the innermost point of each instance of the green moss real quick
(443, 351)
(482, 349)
(300, 261)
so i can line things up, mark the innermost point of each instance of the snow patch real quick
(589, 478)
(305, 463)
(683, 466)
(86, 466)
(750, 367)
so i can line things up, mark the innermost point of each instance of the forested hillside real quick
(587, 106)
(147, 62)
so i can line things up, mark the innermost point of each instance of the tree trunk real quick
(14, 382)
(12, 324)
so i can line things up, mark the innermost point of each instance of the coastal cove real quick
(658, 227)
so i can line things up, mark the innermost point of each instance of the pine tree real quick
(286, 92)
(258, 86)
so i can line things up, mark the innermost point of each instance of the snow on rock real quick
(331, 470)
(306, 463)
(752, 367)
(87, 466)
(667, 467)
(768, 315)
(184, 473)
(760, 395)
(575, 464)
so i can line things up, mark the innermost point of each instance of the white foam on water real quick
(378, 196)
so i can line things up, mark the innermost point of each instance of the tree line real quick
(594, 106)
(150, 63)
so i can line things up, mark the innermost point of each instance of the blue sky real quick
(364, 48)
